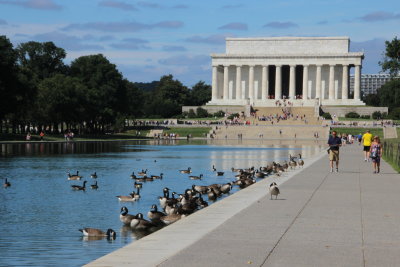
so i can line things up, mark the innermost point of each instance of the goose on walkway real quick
(74, 176)
(189, 170)
(94, 186)
(138, 223)
(78, 187)
(97, 232)
(93, 175)
(124, 217)
(193, 177)
(274, 190)
(6, 183)
(300, 161)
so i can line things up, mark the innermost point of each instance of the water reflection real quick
(52, 212)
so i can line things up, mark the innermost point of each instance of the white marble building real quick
(304, 70)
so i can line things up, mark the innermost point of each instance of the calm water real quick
(40, 214)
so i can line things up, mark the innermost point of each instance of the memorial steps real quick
(312, 119)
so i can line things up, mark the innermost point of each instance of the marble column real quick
(357, 81)
(331, 82)
(238, 82)
(318, 83)
(278, 82)
(345, 82)
(226, 82)
(214, 94)
(251, 83)
(264, 83)
(305, 82)
(292, 81)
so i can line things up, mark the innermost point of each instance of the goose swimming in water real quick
(189, 170)
(94, 186)
(196, 177)
(143, 172)
(78, 187)
(6, 183)
(154, 214)
(129, 198)
(73, 176)
(124, 217)
(98, 233)
(138, 223)
(93, 175)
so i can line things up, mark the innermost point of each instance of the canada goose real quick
(94, 186)
(129, 198)
(96, 232)
(285, 165)
(226, 188)
(78, 187)
(196, 177)
(165, 197)
(213, 168)
(138, 223)
(74, 176)
(220, 173)
(93, 175)
(168, 219)
(211, 194)
(157, 176)
(138, 185)
(148, 178)
(140, 179)
(292, 164)
(202, 189)
(171, 209)
(259, 174)
(137, 194)
(6, 183)
(189, 170)
(143, 172)
(236, 170)
(133, 176)
(154, 214)
(274, 190)
(300, 161)
(124, 217)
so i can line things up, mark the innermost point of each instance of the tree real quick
(41, 59)
(389, 94)
(106, 96)
(200, 94)
(372, 100)
(391, 60)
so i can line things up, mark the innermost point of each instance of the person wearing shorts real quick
(367, 140)
(334, 143)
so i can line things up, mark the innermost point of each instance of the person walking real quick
(376, 151)
(367, 140)
(334, 143)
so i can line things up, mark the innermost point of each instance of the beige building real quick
(307, 71)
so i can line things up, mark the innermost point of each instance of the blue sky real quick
(148, 39)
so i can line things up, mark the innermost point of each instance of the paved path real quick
(350, 218)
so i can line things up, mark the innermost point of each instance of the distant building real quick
(370, 83)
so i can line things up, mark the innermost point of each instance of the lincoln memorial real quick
(306, 71)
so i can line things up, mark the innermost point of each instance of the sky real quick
(149, 39)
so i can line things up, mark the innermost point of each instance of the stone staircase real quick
(309, 112)
(390, 132)
(270, 132)
(155, 132)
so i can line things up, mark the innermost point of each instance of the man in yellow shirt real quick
(367, 140)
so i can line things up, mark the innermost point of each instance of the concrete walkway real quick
(350, 218)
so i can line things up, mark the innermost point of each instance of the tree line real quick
(39, 90)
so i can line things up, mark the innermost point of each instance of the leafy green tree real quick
(134, 100)
(372, 100)
(200, 94)
(41, 59)
(391, 60)
(389, 94)
(106, 96)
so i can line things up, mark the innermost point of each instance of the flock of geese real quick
(176, 206)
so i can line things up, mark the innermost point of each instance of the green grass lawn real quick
(356, 131)
(394, 142)
(354, 119)
(194, 131)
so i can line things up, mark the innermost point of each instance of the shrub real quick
(395, 114)
(327, 116)
(191, 114)
(201, 112)
(219, 114)
(376, 115)
(230, 117)
(365, 117)
(352, 115)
